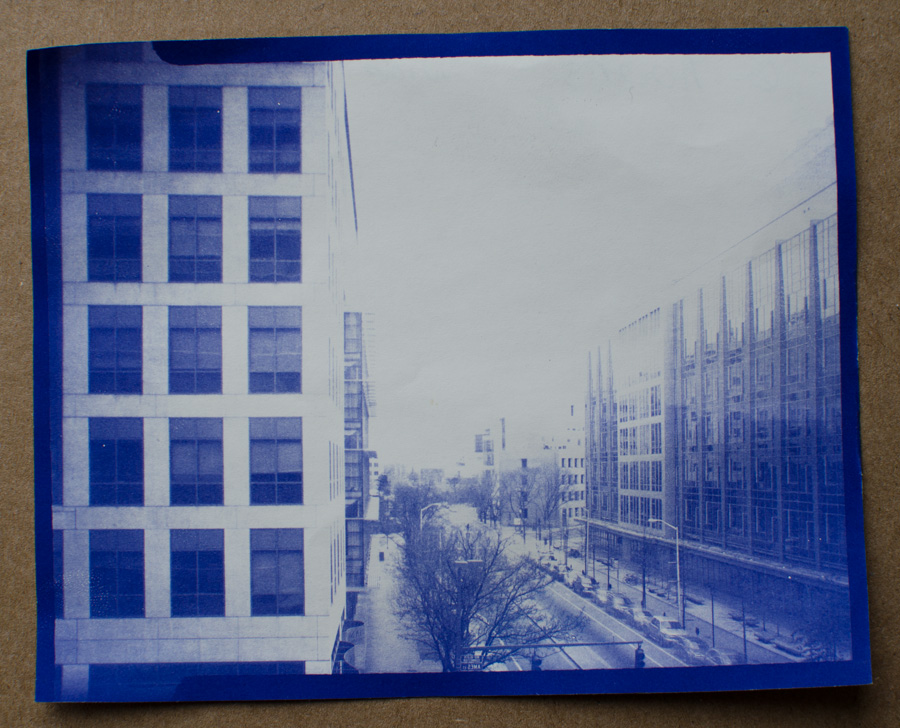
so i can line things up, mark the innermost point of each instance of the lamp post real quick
(464, 569)
(678, 585)
(644, 564)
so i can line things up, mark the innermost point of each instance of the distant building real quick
(374, 475)
(361, 506)
(199, 512)
(719, 414)
(568, 448)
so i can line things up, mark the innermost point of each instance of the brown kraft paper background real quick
(875, 62)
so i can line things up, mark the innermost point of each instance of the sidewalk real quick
(386, 649)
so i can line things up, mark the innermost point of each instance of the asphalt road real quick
(598, 627)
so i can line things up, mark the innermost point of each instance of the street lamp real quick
(678, 586)
(466, 572)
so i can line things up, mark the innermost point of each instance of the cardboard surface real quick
(873, 35)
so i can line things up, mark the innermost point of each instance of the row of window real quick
(640, 405)
(115, 349)
(640, 511)
(642, 440)
(579, 462)
(116, 461)
(115, 227)
(197, 561)
(643, 475)
(115, 128)
(571, 478)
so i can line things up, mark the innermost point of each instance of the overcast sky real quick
(514, 210)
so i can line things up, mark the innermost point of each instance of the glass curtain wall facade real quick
(720, 415)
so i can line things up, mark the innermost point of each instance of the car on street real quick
(666, 632)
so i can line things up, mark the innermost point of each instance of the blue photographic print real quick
(489, 364)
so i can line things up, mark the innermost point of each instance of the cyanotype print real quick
(615, 442)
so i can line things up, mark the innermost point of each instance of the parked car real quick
(666, 632)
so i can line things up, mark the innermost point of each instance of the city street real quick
(729, 633)
(387, 650)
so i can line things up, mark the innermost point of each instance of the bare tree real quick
(469, 603)
(547, 495)
(532, 494)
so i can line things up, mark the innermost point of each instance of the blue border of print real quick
(43, 126)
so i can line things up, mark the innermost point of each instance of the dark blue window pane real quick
(116, 574)
(116, 467)
(277, 571)
(195, 350)
(114, 127)
(195, 239)
(274, 133)
(275, 233)
(114, 238)
(197, 573)
(275, 343)
(276, 461)
(195, 129)
(195, 461)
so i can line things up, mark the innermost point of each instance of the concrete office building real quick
(199, 520)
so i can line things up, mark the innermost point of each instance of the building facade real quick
(361, 507)
(569, 448)
(716, 419)
(199, 512)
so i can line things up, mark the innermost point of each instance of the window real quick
(114, 349)
(195, 129)
(195, 462)
(198, 573)
(656, 475)
(117, 573)
(276, 460)
(195, 239)
(276, 571)
(275, 349)
(195, 350)
(114, 127)
(645, 475)
(274, 239)
(114, 238)
(656, 438)
(656, 512)
(274, 129)
(116, 461)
